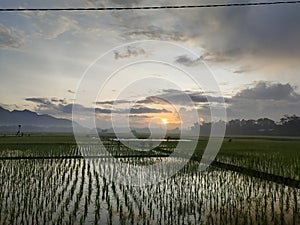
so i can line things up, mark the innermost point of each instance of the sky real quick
(253, 53)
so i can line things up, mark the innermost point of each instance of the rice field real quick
(71, 191)
(279, 156)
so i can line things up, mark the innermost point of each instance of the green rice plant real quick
(70, 191)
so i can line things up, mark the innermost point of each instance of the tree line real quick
(289, 125)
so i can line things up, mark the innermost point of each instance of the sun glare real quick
(164, 121)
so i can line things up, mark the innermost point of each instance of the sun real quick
(164, 121)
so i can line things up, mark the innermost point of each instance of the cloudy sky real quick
(253, 52)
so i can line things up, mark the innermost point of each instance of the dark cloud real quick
(269, 91)
(168, 96)
(82, 109)
(144, 110)
(44, 101)
(47, 101)
(139, 110)
(153, 100)
(68, 108)
(58, 100)
(61, 106)
(10, 37)
(139, 116)
(238, 32)
(51, 105)
(264, 99)
(103, 111)
(226, 34)
(70, 91)
(244, 69)
(113, 102)
(176, 97)
(171, 96)
(185, 60)
(180, 97)
(129, 52)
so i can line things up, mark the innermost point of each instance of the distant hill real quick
(31, 121)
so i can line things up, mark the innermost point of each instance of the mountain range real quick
(31, 121)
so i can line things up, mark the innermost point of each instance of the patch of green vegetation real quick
(276, 155)
(272, 155)
(39, 138)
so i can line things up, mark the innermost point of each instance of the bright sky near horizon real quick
(254, 53)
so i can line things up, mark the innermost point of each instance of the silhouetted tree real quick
(19, 130)
(290, 125)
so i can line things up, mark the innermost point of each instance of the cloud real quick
(227, 35)
(172, 96)
(51, 25)
(56, 106)
(264, 99)
(47, 101)
(269, 99)
(112, 102)
(127, 3)
(70, 91)
(104, 111)
(98, 3)
(62, 101)
(10, 37)
(235, 33)
(167, 97)
(129, 52)
(154, 33)
(139, 116)
(144, 110)
(44, 101)
(269, 91)
(153, 100)
(51, 106)
(244, 69)
(185, 60)
(139, 110)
